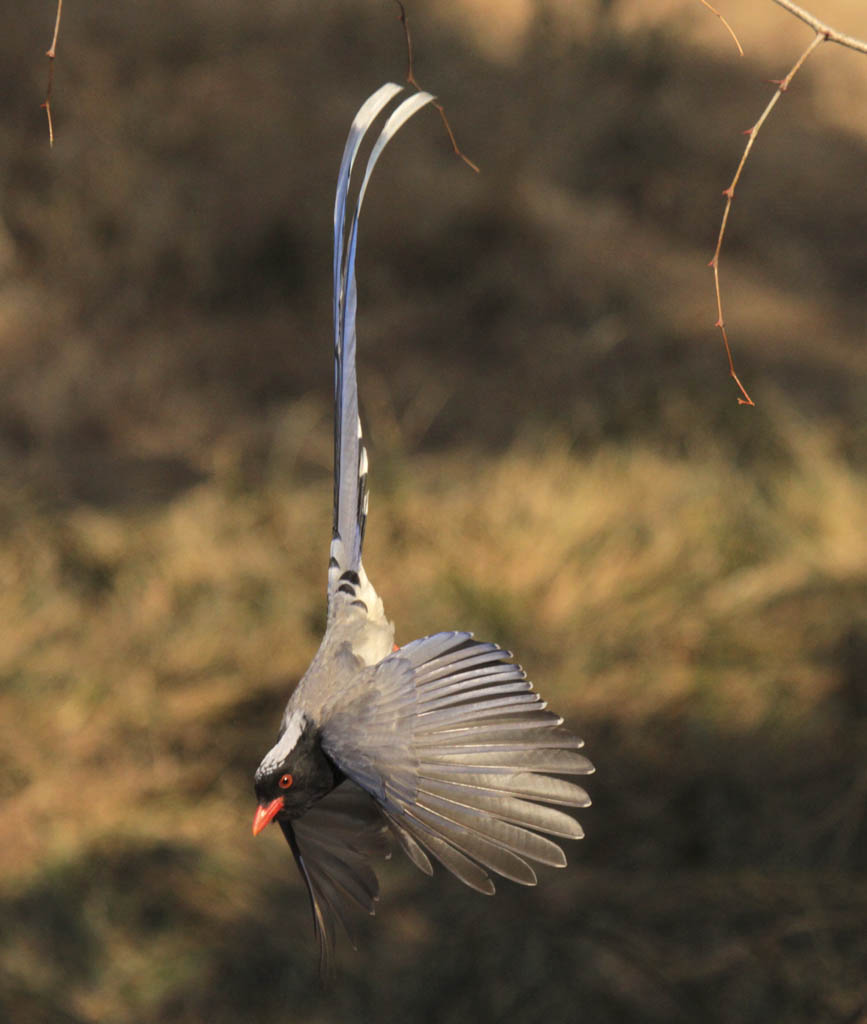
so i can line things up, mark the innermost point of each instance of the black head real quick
(294, 774)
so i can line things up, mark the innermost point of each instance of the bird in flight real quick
(441, 745)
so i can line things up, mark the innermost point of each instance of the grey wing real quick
(333, 844)
(461, 755)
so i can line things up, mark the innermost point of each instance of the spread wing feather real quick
(472, 744)
(333, 844)
(446, 852)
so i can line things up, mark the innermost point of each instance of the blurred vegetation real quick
(558, 463)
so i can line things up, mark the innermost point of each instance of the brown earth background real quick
(558, 463)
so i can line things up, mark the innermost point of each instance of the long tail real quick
(350, 456)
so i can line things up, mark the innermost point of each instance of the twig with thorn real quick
(831, 34)
(50, 54)
(824, 33)
(411, 80)
(729, 193)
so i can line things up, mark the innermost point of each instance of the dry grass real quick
(147, 655)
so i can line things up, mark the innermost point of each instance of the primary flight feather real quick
(442, 744)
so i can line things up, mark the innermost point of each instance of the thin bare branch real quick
(410, 56)
(50, 54)
(729, 193)
(411, 80)
(455, 147)
(824, 33)
(730, 30)
(831, 34)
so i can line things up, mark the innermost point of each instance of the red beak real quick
(265, 814)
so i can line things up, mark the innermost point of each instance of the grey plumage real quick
(442, 744)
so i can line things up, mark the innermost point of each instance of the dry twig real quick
(731, 31)
(411, 80)
(831, 34)
(824, 33)
(50, 53)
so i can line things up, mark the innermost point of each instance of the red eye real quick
(285, 781)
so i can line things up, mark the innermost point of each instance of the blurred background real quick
(558, 463)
